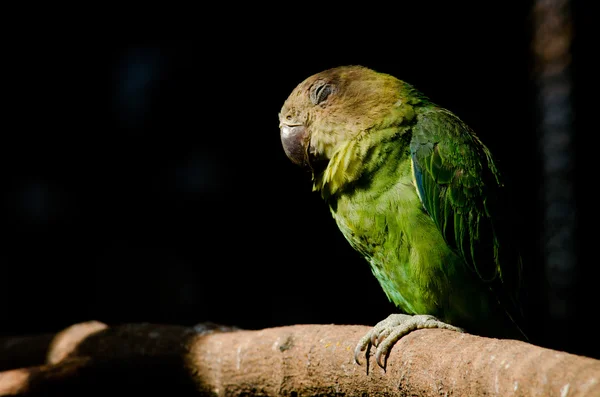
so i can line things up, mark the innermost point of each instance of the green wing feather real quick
(460, 187)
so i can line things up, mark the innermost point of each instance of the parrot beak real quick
(294, 138)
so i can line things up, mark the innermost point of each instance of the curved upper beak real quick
(294, 138)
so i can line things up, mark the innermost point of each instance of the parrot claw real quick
(362, 345)
(387, 332)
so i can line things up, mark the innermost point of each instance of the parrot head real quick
(329, 108)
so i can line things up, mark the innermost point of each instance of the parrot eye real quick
(320, 92)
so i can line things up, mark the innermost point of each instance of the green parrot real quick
(415, 192)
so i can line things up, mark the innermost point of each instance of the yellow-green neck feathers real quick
(362, 154)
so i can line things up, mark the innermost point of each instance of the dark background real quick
(145, 179)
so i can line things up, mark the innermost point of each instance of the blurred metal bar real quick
(552, 38)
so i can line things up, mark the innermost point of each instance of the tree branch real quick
(92, 359)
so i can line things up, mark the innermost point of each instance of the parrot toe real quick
(387, 332)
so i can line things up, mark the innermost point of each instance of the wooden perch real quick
(301, 360)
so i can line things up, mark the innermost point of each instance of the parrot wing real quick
(460, 188)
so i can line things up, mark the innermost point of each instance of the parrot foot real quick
(387, 332)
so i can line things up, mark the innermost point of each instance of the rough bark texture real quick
(300, 360)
